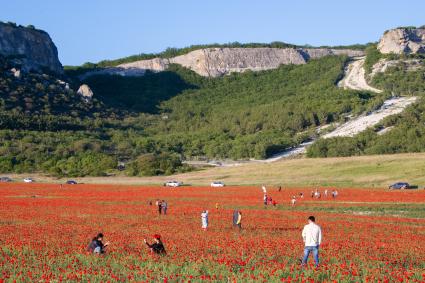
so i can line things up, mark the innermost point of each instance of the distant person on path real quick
(157, 247)
(204, 219)
(164, 206)
(312, 237)
(96, 246)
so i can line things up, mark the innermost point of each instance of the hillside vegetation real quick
(406, 130)
(248, 115)
(154, 122)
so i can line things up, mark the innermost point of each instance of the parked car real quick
(5, 179)
(28, 180)
(399, 186)
(71, 182)
(173, 184)
(217, 184)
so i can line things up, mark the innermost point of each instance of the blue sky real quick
(92, 30)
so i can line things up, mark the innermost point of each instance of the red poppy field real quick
(368, 235)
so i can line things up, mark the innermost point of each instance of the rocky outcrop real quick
(85, 91)
(403, 41)
(409, 65)
(32, 49)
(215, 62)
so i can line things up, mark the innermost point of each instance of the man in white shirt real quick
(312, 237)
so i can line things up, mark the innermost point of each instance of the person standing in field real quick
(239, 221)
(293, 201)
(265, 198)
(204, 219)
(312, 237)
(264, 189)
(326, 193)
(280, 188)
(235, 218)
(159, 204)
(164, 206)
(157, 247)
(96, 246)
(216, 205)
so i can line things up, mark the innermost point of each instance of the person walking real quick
(96, 246)
(157, 247)
(312, 237)
(164, 206)
(204, 220)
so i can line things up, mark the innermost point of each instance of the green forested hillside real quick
(407, 130)
(249, 115)
(155, 121)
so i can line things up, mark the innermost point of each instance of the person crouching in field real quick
(96, 246)
(312, 237)
(204, 219)
(157, 247)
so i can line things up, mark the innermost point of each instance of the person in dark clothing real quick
(159, 203)
(157, 247)
(235, 218)
(280, 188)
(96, 246)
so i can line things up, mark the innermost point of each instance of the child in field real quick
(204, 219)
(96, 246)
(157, 247)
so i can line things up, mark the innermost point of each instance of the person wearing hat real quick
(157, 247)
(96, 246)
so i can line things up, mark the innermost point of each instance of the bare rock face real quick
(403, 41)
(409, 65)
(34, 49)
(85, 91)
(215, 62)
